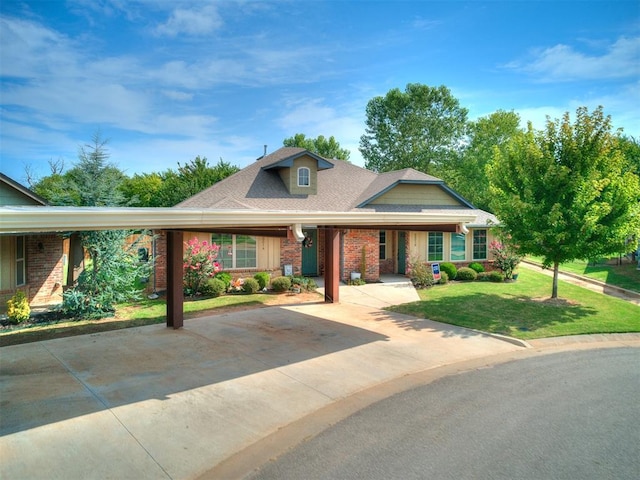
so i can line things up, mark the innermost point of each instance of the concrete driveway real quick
(153, 402)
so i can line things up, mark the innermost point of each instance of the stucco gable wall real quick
(290, 176)
(411, 194)
(11, 196)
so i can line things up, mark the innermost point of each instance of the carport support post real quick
(331, 265)
(175, 295)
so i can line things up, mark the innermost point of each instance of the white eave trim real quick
(64, 219)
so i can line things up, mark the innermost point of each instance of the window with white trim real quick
(21, 264)
(236, 251)
(304, 177)
(435, 247)
(480, 244)
(458, 247)
(382, 255)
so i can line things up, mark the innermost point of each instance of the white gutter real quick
(62, 219)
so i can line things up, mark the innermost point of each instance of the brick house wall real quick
(45, 269)
(354, 241)
(291, 253)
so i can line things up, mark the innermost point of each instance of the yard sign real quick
(435, 268)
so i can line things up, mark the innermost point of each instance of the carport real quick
(21, 220)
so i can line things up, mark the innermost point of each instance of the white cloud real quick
(178, 96)
(191, 22)
(565, 63)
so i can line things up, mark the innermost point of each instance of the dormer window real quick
(304, 175)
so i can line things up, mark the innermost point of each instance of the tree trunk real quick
(554, 290)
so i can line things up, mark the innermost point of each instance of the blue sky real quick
(166, 81)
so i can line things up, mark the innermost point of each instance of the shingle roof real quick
(343, 188)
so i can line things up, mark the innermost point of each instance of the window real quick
(303, 177)
(458, 247)
(435, 247)
(480, 244)
(383, 245)
(21, 276)
(236, 251)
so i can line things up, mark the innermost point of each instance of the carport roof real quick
(15, 220)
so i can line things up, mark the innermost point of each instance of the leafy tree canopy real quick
(190, 178)
(422, 128)
(92, 182)
(466, 173)
(325, 147)
(566, 192)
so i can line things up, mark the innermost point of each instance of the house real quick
(293, 179)
(33, 263)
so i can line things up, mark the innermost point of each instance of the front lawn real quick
(608, 271)
(523, 309)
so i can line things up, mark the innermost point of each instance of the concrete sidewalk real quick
(152, 402)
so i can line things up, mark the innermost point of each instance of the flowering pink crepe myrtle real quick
(199, 264)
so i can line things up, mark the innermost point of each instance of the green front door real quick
(402, 253)
(310, 254)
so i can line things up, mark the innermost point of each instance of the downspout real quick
(297, 232)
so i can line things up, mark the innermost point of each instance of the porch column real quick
(331, 265)
(175, 295)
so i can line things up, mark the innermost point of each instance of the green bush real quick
(483, 277)
(214, 287)
(477, 267)
(444, 278)
(305, 283)
(263, 279)
(420, 274)
(281, 284)
(225, 277)
(450, 268)
(250, 285)
(18, 309)
(466, 274)
(496, 277)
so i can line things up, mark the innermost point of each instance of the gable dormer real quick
(299, 172)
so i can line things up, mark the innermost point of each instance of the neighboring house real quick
(33, 263)
(294, 179)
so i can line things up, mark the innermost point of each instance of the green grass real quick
(626, 275)
(523, 309)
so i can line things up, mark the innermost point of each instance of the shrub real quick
(214, 287)
(304, 283)
(477, 267)
(444, 278)
(450, 268)
(483, 277)
(263, 279)
(496, 277)
(281, 284)
(420, 274)
(199, 264)
(250, 285)
(18, 309)
(466, 274)
(225, 277)
(506, 258)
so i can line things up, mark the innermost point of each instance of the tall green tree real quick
(142, 189)
(466, 173)
(92, 182)
(566, 192)
(325, 147)
(190, 178)
(96, 180)
(422, 128)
